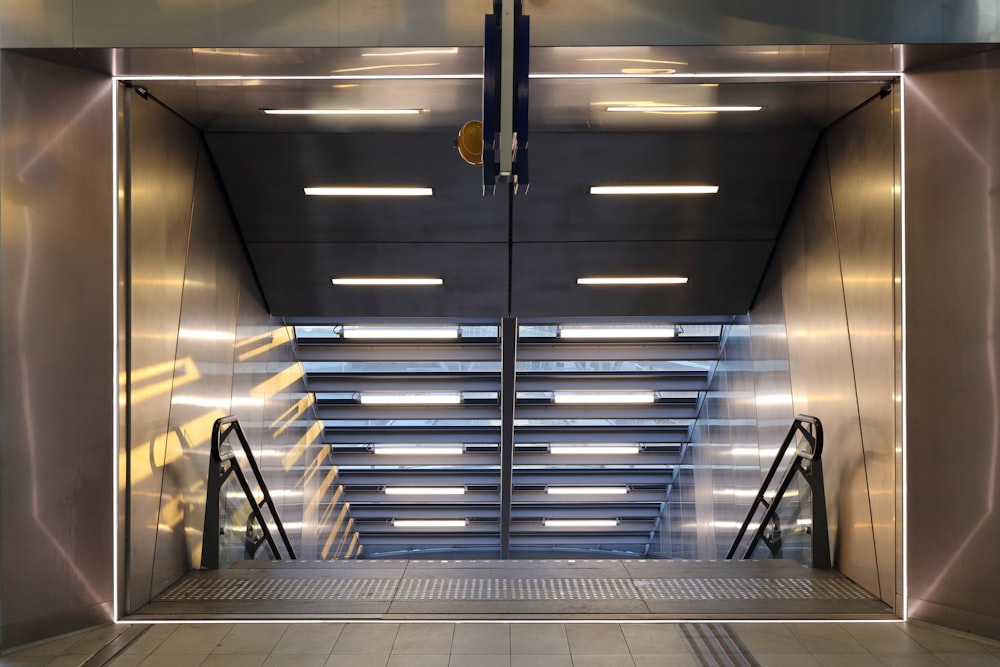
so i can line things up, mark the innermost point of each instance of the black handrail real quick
(807, 462)
(221, 466)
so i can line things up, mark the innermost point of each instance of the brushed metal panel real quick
(162, 163)
(25, 24)
(56, 326)
(822, 373)
(860, 150)
(951, 350)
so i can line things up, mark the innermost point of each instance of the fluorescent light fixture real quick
(342, 112)
(424, 490)
(368, 192)
(417, 52)
(380, 282)
(586, 490)
(600, 398)
(632, 280)
(405, 333)
(617, 332)
(430, 523)
(411, 399)
(594, 449)
(580, 523)
(654, 189)
(670, 108)
(419, 450)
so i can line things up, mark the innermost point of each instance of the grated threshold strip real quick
(716, 645)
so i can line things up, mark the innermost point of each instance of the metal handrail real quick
(218, 472)
(807, 462)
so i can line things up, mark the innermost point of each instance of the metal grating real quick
(750, 589)
(511, 589)
(517, 589)
(299, 589)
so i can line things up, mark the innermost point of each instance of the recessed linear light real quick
(601, 398)
(616, 332)
(342, 112)
(587, 490)
(594, 449)
(387, 282)
(654, 189)
(430, 523)
(580, 523)
(368, 191)
(632, 280)
(667, 108)
(400, 332)
(419, 450)
(424, 490)
(411, 399)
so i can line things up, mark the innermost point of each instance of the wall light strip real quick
(668, 108)
(430, 523)
(400, 332)
(342, 112)
(613, 332)
(586, 490)
(417, 450)
(594, 449)
(386, 281)
(368, 191)
(632, 280)
(411, 399)
(580, 523)
(601, 398)
(654, 189)
(424, 490)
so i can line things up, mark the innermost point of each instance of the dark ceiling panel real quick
(296, 279)
(723, 277)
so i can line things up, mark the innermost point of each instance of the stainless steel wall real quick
(56, 326)
(202, 345)
(239, 23)
(827, 309)
(952, 390)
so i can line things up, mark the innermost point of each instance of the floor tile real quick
(298, 660)
(482, 660)
(825, 638)
(251, 638)
(883, 638)
(910, 660)
(848, 660)
(542, 660)
(49, 648)
(653, 638)
(596, 639)
(420, 660)
(311, 638)
(786, 660)
(173, 660)
(481, 639)
(969, 659)
(68, 660)
(152, 637)
(662, 659)
(234, 660)
(538, 639)
(935, 640)
(376, 638)
(196, 638)
(346, 660)
(424, 638)
(768, 638)
(14, 660)
(92, 641)
(590, 660)
(126, 660)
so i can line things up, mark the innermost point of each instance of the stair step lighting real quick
(580, 523)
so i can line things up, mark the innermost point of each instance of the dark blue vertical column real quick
(508, 365)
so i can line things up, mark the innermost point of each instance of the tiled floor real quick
(514, 645)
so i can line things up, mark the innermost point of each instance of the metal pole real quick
(508, 365)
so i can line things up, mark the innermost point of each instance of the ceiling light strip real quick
(587, 490)
(410, 399)
(632, 280)
(594, 449)
(614, 332)
(379, 282)
(400, 333)
(342, 112)
(671, 108)
(603, 398)
(430, 523)
(418, 450)
(654, 189)
(580, 523)
(424, 490)
(368, 191)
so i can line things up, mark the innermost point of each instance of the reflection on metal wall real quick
(202, 346)
(56, 327)
(828, 300)
(952, 388)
